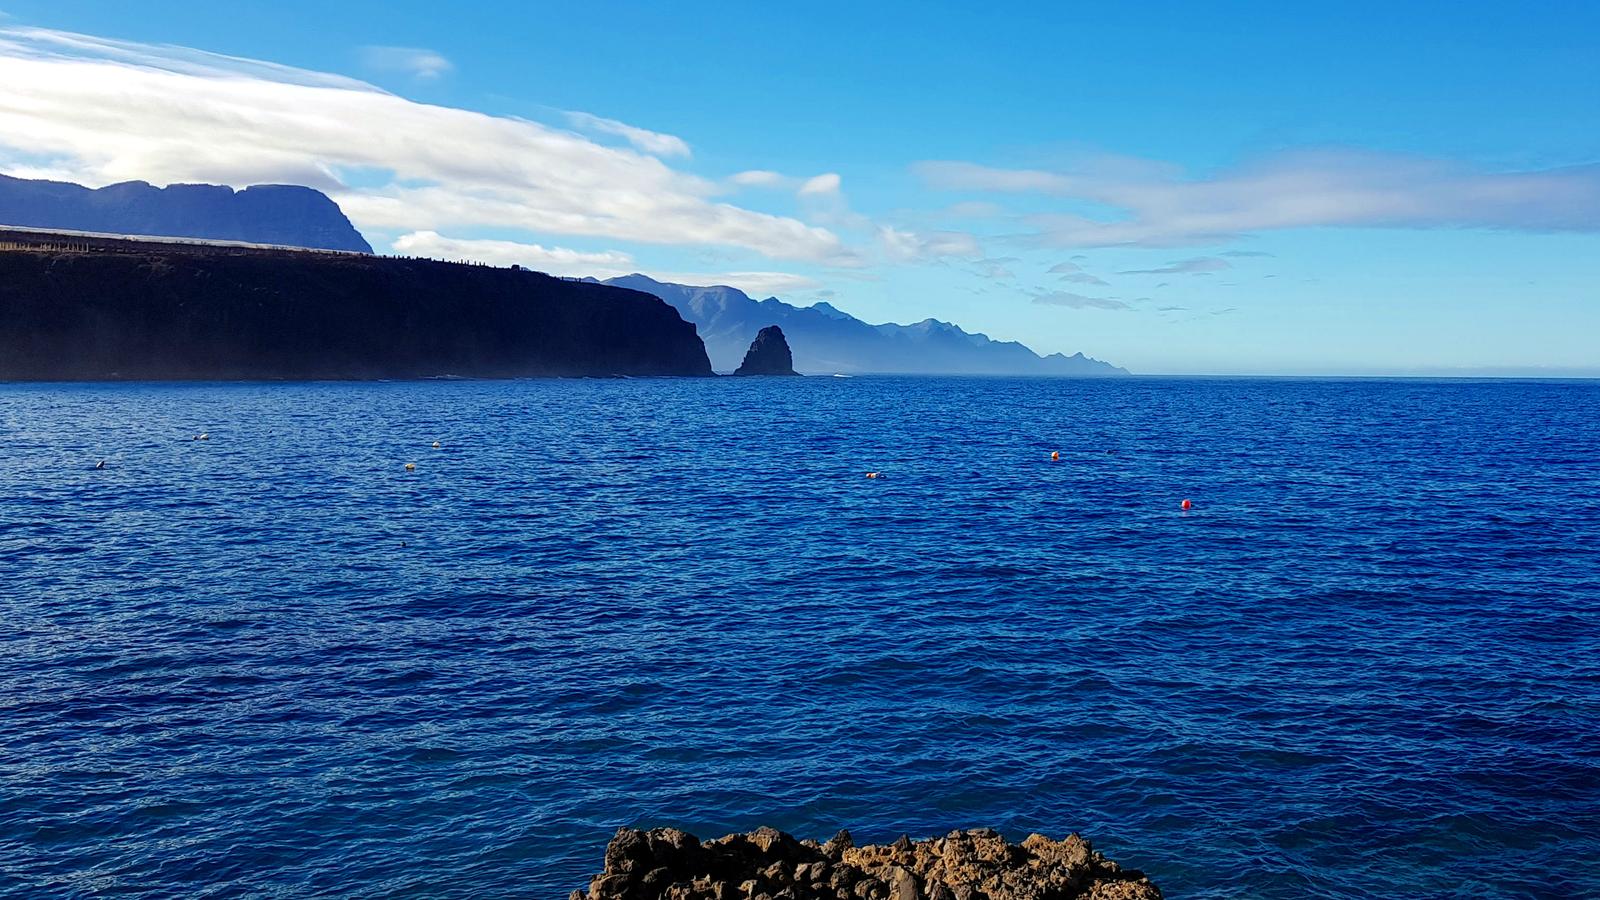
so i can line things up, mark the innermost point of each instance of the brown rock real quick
(766, 864)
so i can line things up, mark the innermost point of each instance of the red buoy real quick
(1188, 505)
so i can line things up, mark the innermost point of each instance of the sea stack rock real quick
(768, 355)
(766, 864)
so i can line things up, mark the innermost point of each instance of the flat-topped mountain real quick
(286, 215)
(88, 309)
(827, 340)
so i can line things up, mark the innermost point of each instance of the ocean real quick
(275, 663)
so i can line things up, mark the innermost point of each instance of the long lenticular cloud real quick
(1158, 206)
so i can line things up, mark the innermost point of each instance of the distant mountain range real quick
(825, 340)
(287, 215)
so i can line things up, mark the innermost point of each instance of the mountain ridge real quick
(277, 214)
(825, 339)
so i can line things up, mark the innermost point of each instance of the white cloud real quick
(1078, 301)
(553, 260)
(974, 209)
(760, 178)
(108, 111)
(756, 284)
(902, 246)
(1199, 265)
(417, 62)
(1160, 206)
(578, 264)
(651, 142)
(827, 183)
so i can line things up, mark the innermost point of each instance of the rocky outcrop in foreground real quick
(768, 355)
(766, 864)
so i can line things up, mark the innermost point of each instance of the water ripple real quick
(273, 663)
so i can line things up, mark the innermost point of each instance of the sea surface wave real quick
(273, 663)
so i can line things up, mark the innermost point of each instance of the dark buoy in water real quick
(1188, 505)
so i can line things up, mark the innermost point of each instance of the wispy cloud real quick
(828, 183)
(603, 264)
(760, 178)
(417, 62)
(1078, 301)
(1083, 278)
(900, 245)
(651, 142)
(1072, 273)
(1159, 205)
(997, 268)
(105, 111)
(1199, 265)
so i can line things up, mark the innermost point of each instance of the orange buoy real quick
(1055, 455)
(411, 467)
(1188, 505)
(872, 474)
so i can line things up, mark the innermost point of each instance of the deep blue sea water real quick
(275, 664)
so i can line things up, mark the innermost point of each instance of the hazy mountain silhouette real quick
(288, 215)
(824, 340)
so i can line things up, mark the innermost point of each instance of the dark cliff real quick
(768, 355)
(287, 215)
(148, 312)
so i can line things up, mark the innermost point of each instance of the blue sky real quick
(1346, 188)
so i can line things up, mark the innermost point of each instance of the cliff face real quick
(768, 355)
(157, 314)
(281, 214)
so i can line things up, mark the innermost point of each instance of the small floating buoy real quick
(872, 474)
(1188, 505)
(411, 467)
(1055, 455)
(435, 445)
